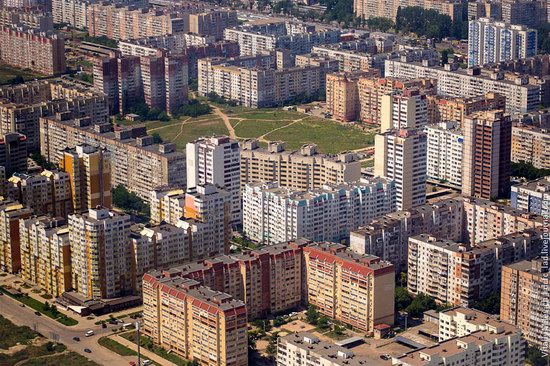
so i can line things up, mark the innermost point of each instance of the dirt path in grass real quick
(226, 121)
(262, 137)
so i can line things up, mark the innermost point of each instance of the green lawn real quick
(331, 137)
(7, 73)
(256, 128)
(148, 344)
(39, 306)
(273, 114)
(30, 352)
(116, 347)
(367, 164)
(65, 359)
(191, 130)
(10, 334)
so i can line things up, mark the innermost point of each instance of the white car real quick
(89, 333)
(147, 362)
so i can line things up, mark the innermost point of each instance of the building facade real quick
(444, 153)
(533, 197)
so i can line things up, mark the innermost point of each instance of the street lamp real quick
(138, 344)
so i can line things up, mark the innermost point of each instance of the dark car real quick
(87, 350)
(113, 321)
(76, 339)
(385, 357)
(37, 313)
(103, 325)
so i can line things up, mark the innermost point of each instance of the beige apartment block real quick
(443, 108)
(531, 144)
(10, 239)
(167, 204)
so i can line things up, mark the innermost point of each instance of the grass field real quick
(65, 359)
(294, 128)
(147, 343)
(116, 347)
(7, 73)
(10, 334)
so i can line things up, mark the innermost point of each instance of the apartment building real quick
(524, 12)
(342, 95)
(22, 106)
(46, 254)
(192, 46)
(13, 152)
(370, 8)
(135, 161)
(486, 154)
(442, 108)
(158, 246)
(373, 89)
(462, 321)
(490, 42)
(300, 170)
(524, 300)
(10, 240)
(158, 81)
(404, 109)
(360, 290)
(400, 155)
(462, 220)
(272, 214)
(216, 160)
(25, 48)
(484, 9)
(207, 326)
(257, 87)
(45, 193)
(521, 96)
(294, 349)
(89, 175)
(212, 23)
(533, 196)
(167, 204)
(71, 12)
(210, 205)
(101, 254)
(130, 22)
(38, 20)
(444, 154)
(460, 274)
(269, 280)
(531, 144)
(499, 346)
(297, 37)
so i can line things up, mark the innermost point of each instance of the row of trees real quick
(528, 171)
(429, 23)
(129, 201)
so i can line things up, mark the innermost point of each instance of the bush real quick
(194, 109)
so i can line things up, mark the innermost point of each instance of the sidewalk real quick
(144, 352)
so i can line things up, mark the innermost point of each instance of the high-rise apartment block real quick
(272, 214)
(167, 204)
(297, 37)
(531, 144)
(210, 205)
(101, 254)
(302, 170)
(256, 87)
(346, 298)
(521, 96)
(210, 326)
(22, 106)
(216, 160)
(533, 196)
(212, 23)
(71, 12)
(158, 81)
(343, 96)
(524, 300)
(444, 154)
(46, 193)
(371, 8)
(408, 109)
(30, 18)
(442, 108)
(490, 42)
(90, 176)
(46, 254)
(400, 155)
(528, 13)
(130, 22)
(10, 240)
(135, 161)
(13, 152)
(43, 52)
(486, 154)
(460, 274)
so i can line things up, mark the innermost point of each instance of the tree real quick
(278, 321)
(380, 24)
(129, 201)
(41, 161)
(323, 323)
(535, 357)
(312, 315)
(420, 304)
(46, 306)
(490, 304)
(157, 139)
(402, 298)
(528, 171)
(18, 79)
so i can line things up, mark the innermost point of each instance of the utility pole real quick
(138, 344)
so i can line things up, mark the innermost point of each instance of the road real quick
(49, 328)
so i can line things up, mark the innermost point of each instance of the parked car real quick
(147, 362)
(385, 357)
(37, 313)
(87, 350)
(76, 339)
(89, 333)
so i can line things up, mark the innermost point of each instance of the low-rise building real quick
(533, 196)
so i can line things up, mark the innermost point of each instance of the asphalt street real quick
(49, 328)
